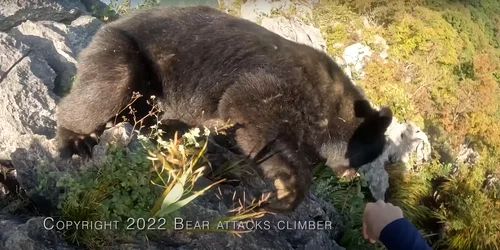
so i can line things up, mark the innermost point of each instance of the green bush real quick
(349, 196)
(118, 189)
(471, 218)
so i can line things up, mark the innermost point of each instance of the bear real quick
(293, 104)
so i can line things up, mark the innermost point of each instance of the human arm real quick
(401, 234)
(384, 222)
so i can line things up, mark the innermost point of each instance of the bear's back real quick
(209, 44)
(199, 52)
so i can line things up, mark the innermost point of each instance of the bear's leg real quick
(266, 135)
(109, 70)
(280, 161)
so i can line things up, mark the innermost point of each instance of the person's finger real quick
(399, 211)
(372, 241)
(365, 234)
(368, 206)
(381, 202)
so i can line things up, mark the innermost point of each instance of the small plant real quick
(148, 4)
(105, 15)
(177, 165)
(150, 181)
(67, 88)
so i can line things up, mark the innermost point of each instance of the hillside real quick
(436, 63)
(441, 70)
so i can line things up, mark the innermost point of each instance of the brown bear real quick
(204, 65)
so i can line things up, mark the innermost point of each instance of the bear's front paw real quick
(70, 143)
(346, 172)
(288, 195)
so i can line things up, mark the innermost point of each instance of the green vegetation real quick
(442, 73)
(119, 189)
(120, 7)
(234, 9)
(348, 197)
(154, 181)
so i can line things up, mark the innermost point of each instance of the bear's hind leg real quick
(110, 69)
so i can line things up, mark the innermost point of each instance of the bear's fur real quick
(203, 66)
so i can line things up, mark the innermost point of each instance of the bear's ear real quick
(385, 118)
(363, 109)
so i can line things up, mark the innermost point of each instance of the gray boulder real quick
(26, 234)
(406, 144)
(58, 44)
(467, 155)
(296, 30)
(14, 12)
(37, 63)
(27, 104)
(286, 18)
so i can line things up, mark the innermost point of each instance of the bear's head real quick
(368, 141)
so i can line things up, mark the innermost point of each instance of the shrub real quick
(471, 218)
(349, 196)
(114, 191)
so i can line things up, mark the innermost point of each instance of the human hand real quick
(378, 215)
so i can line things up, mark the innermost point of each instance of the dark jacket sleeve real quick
(402, 235)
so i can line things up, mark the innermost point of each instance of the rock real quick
(380, 41)
(408, 143)
(467, 155)
(37, 63)
(355, 56)
(286, 19)
(491, 184)
(37, 155)
(58, 44)
(22, 234)
(27, 104)
(34, 157)
(295, 30)
(122, 135)
(14, 12)
(271, 231)
(255, 10)
(405, 142)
